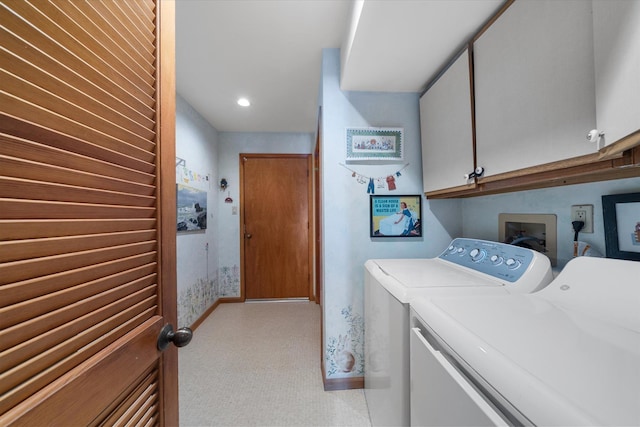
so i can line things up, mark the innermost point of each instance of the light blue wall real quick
(197, 266)
(480, 214)
(231, 144)
(346, 241)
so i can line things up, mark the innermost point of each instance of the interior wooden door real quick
(87, 212)
(276, 232)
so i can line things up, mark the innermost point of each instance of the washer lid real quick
(425, 273)
(403, 278)
(556, 366)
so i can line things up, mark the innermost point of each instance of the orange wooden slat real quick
(26, 269)
(113, 40)
(12, 146)
(35, 248)
(60, 345)
(60, 124)
(38, 229)
(73, 34)
(120, 411)
(144, 37)
(123, 103)
(115, 19)
(16, 127)
(138, 14)
(15, 65)
(35, 209)
(17, 188)
(122, 355)
(147, 8)
(43, 192)
(34, 22)
(18, 169)
(21, 312)
(106, 78)
(146, 413)
(34, 287)
(26, 100)
(65, 323)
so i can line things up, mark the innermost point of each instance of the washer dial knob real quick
(477, 255)
(512, 264)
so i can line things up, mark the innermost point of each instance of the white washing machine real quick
(568, 355)
(465, 267)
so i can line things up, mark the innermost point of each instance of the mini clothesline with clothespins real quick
(388, 180)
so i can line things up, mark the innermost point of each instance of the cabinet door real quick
(445, 121)
(616, 45)
(534, 85)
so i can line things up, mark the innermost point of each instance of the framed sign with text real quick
(396, 216)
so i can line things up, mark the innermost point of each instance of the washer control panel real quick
(500, 260)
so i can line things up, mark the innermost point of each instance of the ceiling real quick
(270, 51)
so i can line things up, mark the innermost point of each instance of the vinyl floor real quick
(258, 364)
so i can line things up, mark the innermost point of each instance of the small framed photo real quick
(396, 216)
(621, 214)
(375, 143)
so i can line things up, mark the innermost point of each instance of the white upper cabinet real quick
(535, 85)
(445, 126)
(616, 40)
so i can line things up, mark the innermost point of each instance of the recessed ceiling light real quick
(243, 102)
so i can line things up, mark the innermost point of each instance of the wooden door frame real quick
(317, 219)
(166, 152)
(310, 239)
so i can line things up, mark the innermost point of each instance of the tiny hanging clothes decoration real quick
(391, 182)
(371, 188)
(372, 182)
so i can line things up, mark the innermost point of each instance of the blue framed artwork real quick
(374, 143)
(192, 208)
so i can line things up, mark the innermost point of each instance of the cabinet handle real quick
(477, 172)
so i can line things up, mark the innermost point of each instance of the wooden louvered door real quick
(87, 212)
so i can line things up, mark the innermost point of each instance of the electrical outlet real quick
(583, 213)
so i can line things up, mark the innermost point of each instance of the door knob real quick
(179, 338)
(247, 235)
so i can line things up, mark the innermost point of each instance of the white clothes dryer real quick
(465, 267)
(568, 355)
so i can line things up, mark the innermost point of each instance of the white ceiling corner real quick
(270, 51)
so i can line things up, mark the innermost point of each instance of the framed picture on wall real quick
(621, 214)
(374, 143)
(192, 208)
(396, 216)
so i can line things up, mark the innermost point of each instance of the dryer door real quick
(440, 395)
